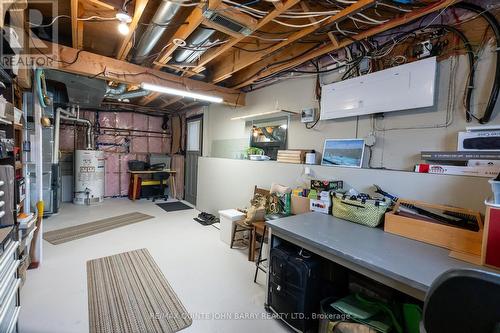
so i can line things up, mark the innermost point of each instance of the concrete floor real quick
(211, 280)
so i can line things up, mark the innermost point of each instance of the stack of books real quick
(466, 163)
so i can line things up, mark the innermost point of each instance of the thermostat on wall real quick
(308, 115)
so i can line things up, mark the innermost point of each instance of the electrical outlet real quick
(425, 49)
(308, 115)
(370, 140)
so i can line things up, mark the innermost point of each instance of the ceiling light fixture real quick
(123, 16)
(123, 28)
(182, 93)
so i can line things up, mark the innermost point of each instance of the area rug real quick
(173, 206)
(64, 235)
(129, 294)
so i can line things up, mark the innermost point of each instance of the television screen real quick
(343, 152)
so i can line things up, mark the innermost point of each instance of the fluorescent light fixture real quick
(255, 115)
(182, 93)
(123, 28)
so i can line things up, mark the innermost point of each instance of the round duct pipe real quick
(165, 13)
(199, 38)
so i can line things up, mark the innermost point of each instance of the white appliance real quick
(403, 87)
(89, 177)
(227, 219)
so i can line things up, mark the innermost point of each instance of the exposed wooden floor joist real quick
(94, 65)
(327, 48)
(246, 59)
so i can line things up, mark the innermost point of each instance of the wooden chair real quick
(260, 229)
(241, 227)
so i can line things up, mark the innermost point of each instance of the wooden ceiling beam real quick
(126, 45)
(212, 25)
(235, 15)
(404, 19)
(79, 29)
(102, 4)
(75, 28)
(284, 55)
(75, 61)
(226, 68)
(170, 102)
(216, 52)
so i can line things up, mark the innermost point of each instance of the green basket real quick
(367, 212)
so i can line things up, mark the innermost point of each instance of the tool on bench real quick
(455, 219)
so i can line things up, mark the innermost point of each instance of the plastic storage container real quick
(227, 219)
(495, 188)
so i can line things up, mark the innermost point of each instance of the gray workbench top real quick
(410, 262)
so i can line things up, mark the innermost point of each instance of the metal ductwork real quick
(198, 39)
(164, 15)
(120, 89)
(83, 91)
(120, 93)
(129, 95)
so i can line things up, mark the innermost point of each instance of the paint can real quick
(310, 158)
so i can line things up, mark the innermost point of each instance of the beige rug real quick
(60, 236)
(129, 294)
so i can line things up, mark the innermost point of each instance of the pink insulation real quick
(112, 184)
(66, 139)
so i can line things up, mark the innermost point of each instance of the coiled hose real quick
(493, 23)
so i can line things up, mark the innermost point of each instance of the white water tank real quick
(89, 177)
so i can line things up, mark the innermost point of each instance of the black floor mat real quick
(173, 206)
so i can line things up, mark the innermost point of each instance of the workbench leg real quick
(134, 184)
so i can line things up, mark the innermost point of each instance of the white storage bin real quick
(227, 219)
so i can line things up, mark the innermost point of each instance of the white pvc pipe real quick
(26, 175)
(37, 145)
(57, 127)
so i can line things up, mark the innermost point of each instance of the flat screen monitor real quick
(343, 152)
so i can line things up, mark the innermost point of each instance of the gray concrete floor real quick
(212, 281)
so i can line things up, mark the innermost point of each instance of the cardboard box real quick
(320, 206)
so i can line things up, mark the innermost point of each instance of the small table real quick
(136, 174)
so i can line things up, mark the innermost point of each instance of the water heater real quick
(89, 177)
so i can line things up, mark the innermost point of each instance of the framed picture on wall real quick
(343, 152)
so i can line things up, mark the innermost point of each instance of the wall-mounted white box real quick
(403, 87)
